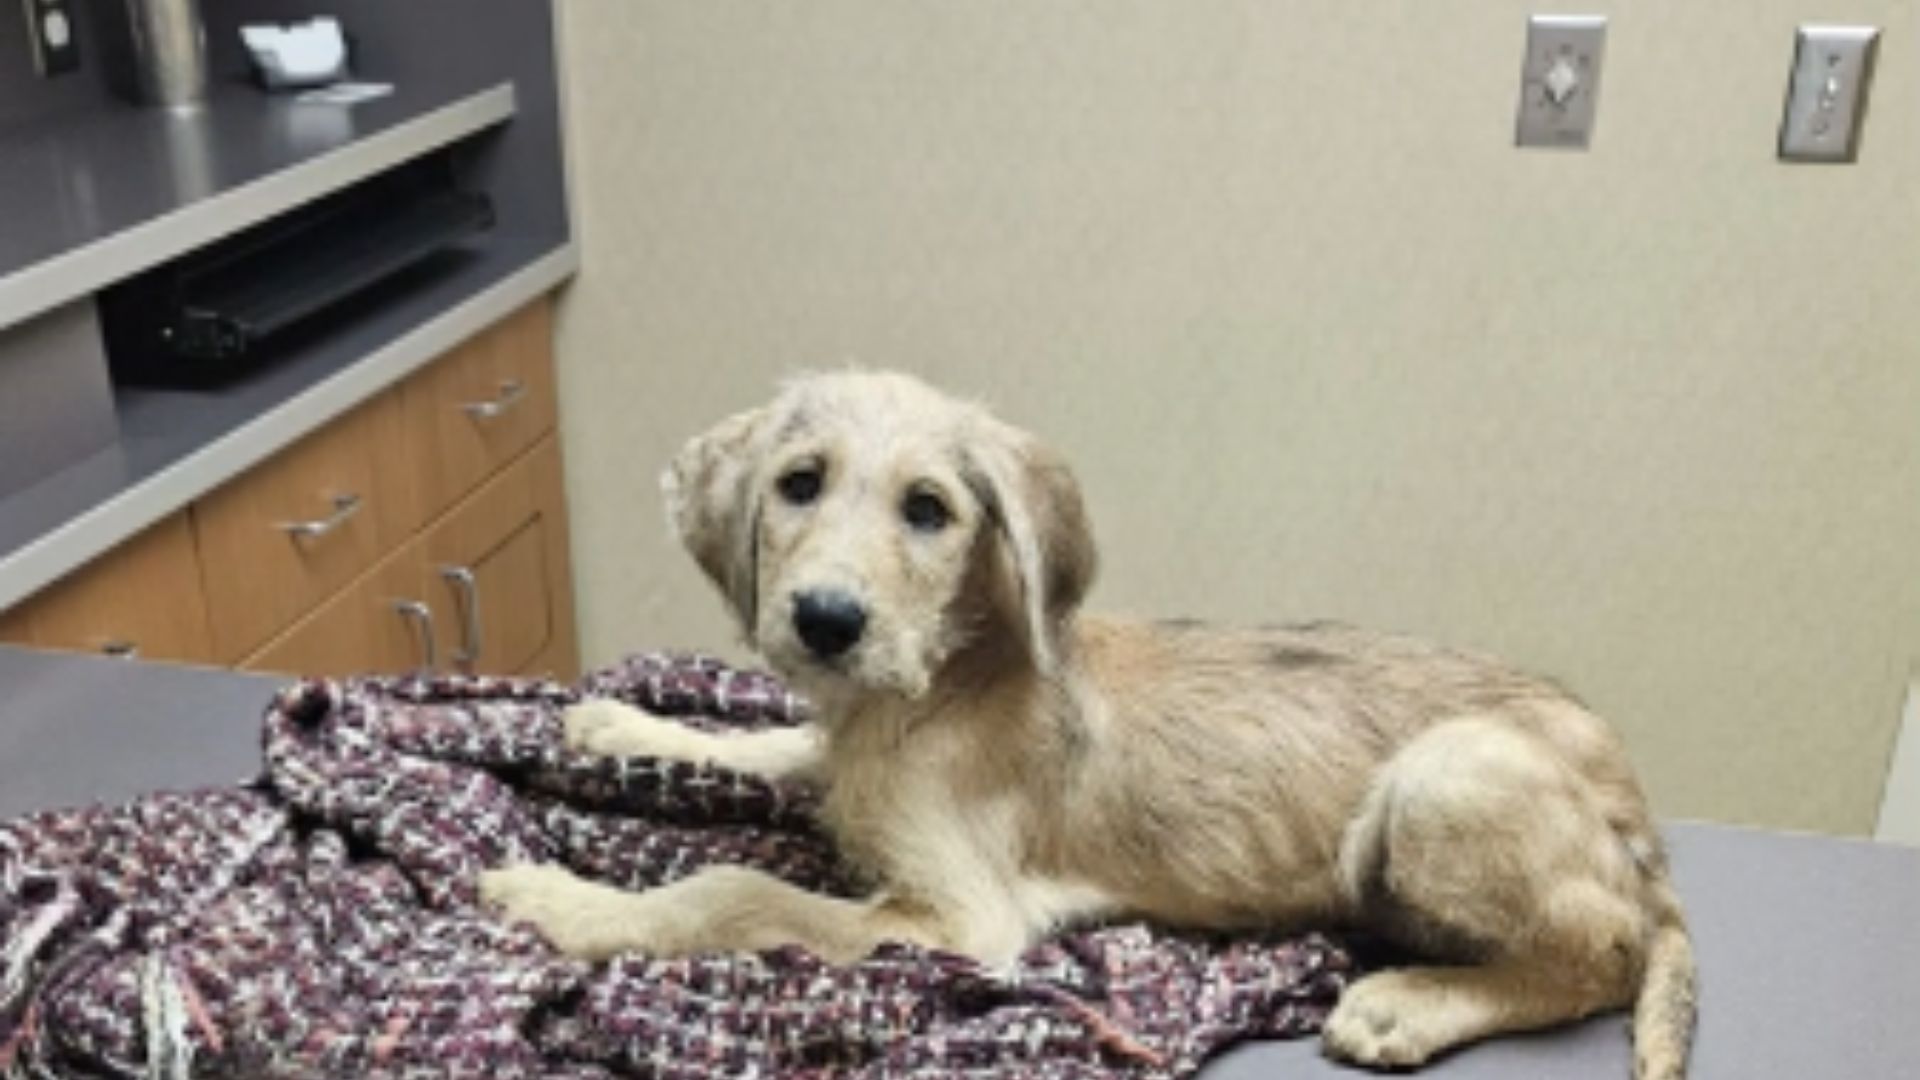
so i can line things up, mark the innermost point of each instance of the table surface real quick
(1809, 947)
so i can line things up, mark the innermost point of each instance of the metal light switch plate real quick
(50, 29)
(1560, 80)
(1827, 100)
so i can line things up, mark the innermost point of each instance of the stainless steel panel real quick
(56, 406)
(1560, 80)
(1827, 98)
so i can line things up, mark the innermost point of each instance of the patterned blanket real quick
(322, 921)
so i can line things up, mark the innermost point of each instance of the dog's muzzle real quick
(828, 622)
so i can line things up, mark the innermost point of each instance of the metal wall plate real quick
(1827, 98)
(1560, 80)
(50, 27)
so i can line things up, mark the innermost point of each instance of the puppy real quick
(1001, 764)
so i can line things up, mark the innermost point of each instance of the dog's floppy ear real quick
(1046, 541)
(712, 502)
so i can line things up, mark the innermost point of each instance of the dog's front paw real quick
(1384, 1021)
(615, 729)
(581, 918)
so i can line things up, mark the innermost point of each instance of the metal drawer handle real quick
(120, 649)
(344, 507)
(511, 392)
(467, 593)
(421, 616)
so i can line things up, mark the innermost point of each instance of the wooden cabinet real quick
(143, 598)
(487, 589)
(479, 407)
(380, 623)
(559, 657)
(498, 568)
(425, 528)
(293, 531)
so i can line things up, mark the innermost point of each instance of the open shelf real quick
(122, 189)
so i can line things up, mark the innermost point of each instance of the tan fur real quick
(1001, 765)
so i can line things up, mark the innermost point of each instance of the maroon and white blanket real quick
(322, 922)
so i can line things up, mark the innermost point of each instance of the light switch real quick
(1827, 98)
(1560, 80)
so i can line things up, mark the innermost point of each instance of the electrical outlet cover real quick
(50, 27)
(1827, 98)
(1560, 80)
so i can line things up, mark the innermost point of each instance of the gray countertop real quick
(1809, 947)
(77, 728)
(118, 189)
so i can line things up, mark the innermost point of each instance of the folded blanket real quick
(323, 922)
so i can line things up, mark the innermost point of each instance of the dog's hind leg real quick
(1480, 848)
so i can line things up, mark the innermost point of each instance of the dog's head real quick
(866, 529)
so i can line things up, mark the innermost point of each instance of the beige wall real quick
(1321, 342)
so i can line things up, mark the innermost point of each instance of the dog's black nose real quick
(829, 623)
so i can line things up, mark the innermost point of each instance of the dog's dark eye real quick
(925, 511)
(800, 486)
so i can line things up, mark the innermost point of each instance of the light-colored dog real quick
(1001, 765)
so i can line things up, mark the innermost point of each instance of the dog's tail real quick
(1663, 1016)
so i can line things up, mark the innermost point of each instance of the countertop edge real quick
(99, 528)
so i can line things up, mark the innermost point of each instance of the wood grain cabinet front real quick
(427, 528)
(142, 599)
(501, 586)
(289, 533)
(486, 590)
(560, 659)
(381, 624)
(479, 407)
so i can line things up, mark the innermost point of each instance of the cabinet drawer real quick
(143, 598)
(495, 579)
(561, 657)
(490, 560)
(495, 603)
(480, 406)
(380, 624)
(289, 533)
